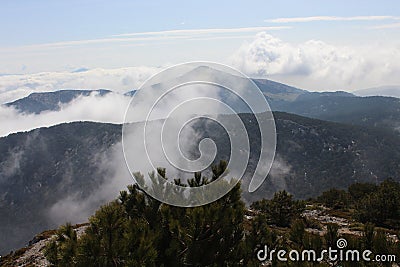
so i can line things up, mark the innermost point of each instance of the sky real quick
(315, 45)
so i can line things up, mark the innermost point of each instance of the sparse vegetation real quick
(137, 230)
(367, 203)
(281, 210)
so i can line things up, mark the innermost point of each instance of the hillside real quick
(43, 167)
(45, 173)
(373, 111)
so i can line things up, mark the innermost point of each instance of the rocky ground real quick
(324, 216)
(33, 254)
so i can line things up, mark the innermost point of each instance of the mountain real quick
(375, 111)
(391, 91)
(65, 172)
(340, 106)
(314, 155)
(50, 101)
(45, 166)
(278, 94)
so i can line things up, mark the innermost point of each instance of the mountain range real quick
(340, 106)
(65, 172)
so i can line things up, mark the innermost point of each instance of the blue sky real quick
(296, 42)
(42, 21)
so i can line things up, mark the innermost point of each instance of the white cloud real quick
(152, 36)
(120, 80)
(279, 170)
(190, 32)
(109, 108)
(76, 209)
(317, 65)
(330, 18)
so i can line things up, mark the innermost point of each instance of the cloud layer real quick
(317, 65)
(109, 108)
(13, 87)
(313, 65)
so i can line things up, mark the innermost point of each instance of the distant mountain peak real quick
(38, 102)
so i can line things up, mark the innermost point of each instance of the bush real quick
(281, 210)
(334, 198)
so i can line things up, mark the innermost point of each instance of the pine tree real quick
(331, 235)
(368, 235)
(297, 233)
(102, 241)
(62, 250)
(281, 210)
